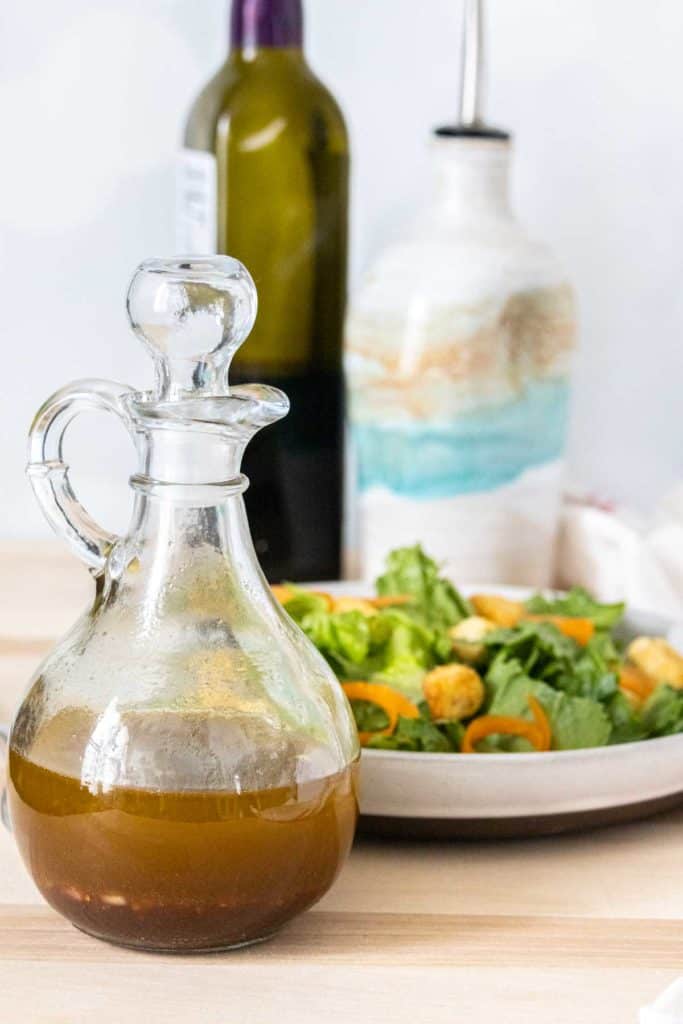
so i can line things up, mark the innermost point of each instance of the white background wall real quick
(92, 97)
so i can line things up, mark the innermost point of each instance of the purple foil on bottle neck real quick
(266, 23)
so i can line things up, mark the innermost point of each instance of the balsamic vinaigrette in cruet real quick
(182, 768)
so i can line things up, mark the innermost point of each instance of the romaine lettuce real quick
(575, 721)
(662, 713)
(436, 602)
(627, 725)
(389, 647)
(578, 603)
(419, 734)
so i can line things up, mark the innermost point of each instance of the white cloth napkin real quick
(667, 1008)
(617, 557)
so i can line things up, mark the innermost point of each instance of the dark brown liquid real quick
(180, 871)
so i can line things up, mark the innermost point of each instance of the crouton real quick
(499, 610)
(353, 604)
(466, 636)
(453, 691)
(657, 659)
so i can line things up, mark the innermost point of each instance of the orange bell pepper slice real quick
(501, 610)
(636, 682)
(391, 701)
(577, 629)
(542, 721)
(538, 732)
(507, 614)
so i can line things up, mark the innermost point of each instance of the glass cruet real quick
(182, 768)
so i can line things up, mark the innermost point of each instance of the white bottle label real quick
(196, 203)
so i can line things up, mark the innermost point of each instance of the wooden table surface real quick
(576, 929)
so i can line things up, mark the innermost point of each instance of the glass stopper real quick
(192, 314)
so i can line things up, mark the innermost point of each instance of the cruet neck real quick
(189, 467)
(472, 177)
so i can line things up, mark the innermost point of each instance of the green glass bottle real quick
(264, 177)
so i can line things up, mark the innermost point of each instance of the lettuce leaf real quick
(303, 602)
(594, 672)
(627, 725)
(343, 638)
(578, 603)
(389, 647)
(575, 721)
(578, 722)
(369, 717)
(436, 602)
(662, 712)
(407, 653)
(418, 734)
(539, 647)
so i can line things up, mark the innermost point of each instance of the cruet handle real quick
(49, 474)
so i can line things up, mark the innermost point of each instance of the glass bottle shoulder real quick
(277, 89)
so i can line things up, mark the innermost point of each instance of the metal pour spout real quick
(471, 121)
(471, 87)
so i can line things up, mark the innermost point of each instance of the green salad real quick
(427, 669)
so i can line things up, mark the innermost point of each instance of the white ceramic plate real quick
(506, 795)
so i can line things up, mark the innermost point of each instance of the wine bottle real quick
(264, 177)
